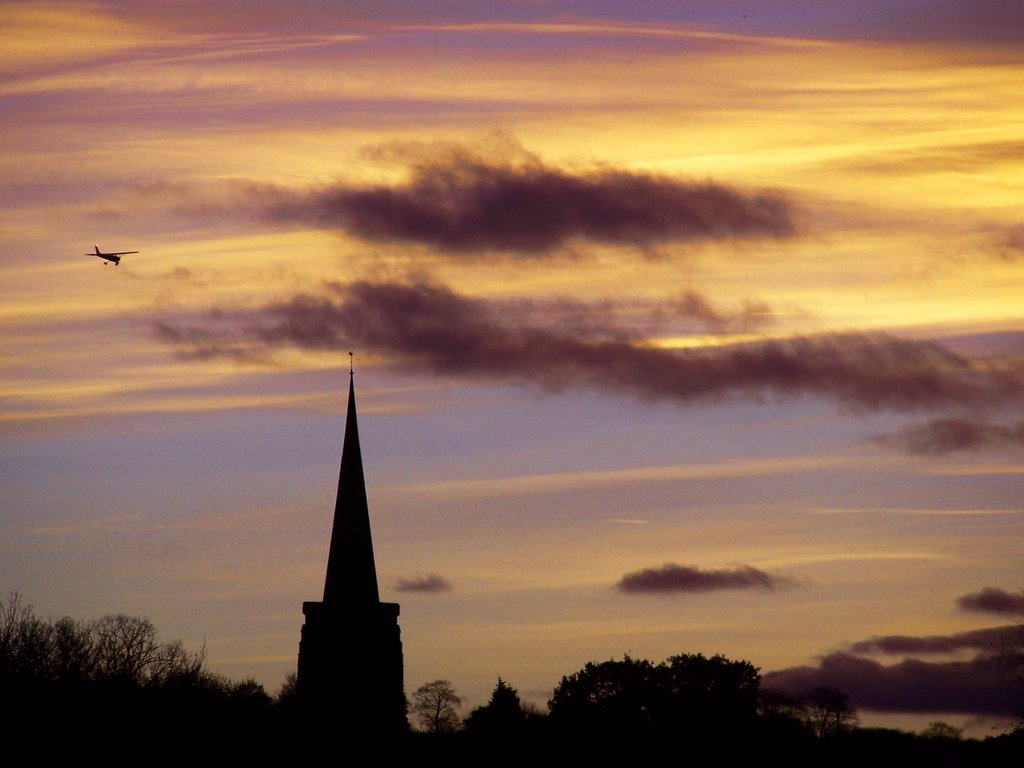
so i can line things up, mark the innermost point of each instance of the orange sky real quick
(168, 444)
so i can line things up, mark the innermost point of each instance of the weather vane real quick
(351, 369)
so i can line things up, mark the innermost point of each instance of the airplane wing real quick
(98, 252)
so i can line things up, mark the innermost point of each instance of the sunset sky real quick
(678, 327)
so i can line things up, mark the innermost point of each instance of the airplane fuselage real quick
(114, 257)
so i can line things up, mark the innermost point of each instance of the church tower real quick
(350, 653)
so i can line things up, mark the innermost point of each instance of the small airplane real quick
(113, 257)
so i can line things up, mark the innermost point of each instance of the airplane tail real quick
(97, 249)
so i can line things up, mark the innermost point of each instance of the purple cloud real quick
(980, 686)
(987, 685)
(941, 436)
(461, 202)
(990, 639)
(672, 578)
(430, 584)
(426, 327)
(1010, 244)
(993, 600)
(752, 315)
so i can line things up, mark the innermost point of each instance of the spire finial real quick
(351, 368)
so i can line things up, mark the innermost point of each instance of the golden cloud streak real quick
(161, 405)
(914, 512)
(847, 557)
(560, 481)
(951, 470)
(110, 524)
(584, 27)
(43, 34)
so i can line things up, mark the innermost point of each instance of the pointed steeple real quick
(351, 573)
(350, 667)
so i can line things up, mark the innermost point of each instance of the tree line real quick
(691, 708)
(686, 695)
(116, 650)
(110, 688)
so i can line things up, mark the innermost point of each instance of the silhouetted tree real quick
(502, 716)
(612, 694)
(829, 711)
(1011, 657)
(435, 706)
(126, 649)
(708, 694)
(775, 703)
(26, 642)
(783, 714)
(249, 692)
(115, 648)
(174, 665)
(688, 694)
(940, 730)
(73, 651)
(78, 689)
(289, 689)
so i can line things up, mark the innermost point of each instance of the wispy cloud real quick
(431, 584)
(923, 512)
(628, 521)
(522, 485)
(942, 436)
(752, 315)
(1011, 243)
(109, 524)
(671, 578)
(944, 158)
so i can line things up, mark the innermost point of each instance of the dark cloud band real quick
(467, 205)
(991, 639)
(423, 326)
(979, 686)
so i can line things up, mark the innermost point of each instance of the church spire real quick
(351, 573)
(350, 653)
